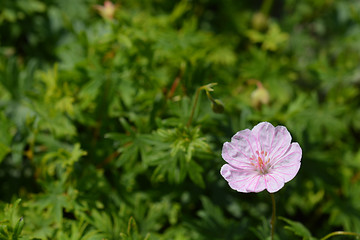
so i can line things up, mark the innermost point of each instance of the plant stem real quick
(176, 81)
(340, 233)
(194, 106)
(273, 217)
(207, 88)
(266, 6)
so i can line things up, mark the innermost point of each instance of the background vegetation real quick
(97, 135)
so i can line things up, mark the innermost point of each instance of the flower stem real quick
(194, 106)
(340, 233)
(273, 217)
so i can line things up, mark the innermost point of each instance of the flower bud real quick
(260, 96)
(107, 11)
(259, 21)
(217, 106)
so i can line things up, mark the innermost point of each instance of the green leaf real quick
(298, 229)
(195, 173)
(18, 228)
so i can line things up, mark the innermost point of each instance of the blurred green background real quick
(97, 134)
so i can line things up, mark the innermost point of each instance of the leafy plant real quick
(111, 126)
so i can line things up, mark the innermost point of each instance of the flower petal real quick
(280, 143)
(235, 156)
(239, 179)
(245, 142)
(273, 182)
(256, 184)
(288, 165)
(264, 133)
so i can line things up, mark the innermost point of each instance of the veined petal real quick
(280, 143)
(256, 184)
(245, 142)
(273, 183)
(291, 156)
(238, 179)
(288, 165)
(287, 173)
(264, 132)
(235, 156)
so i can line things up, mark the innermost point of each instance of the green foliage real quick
(11, 225)
(298, 229)
(177, 148)
(106, 132)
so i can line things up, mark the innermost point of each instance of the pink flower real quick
(261, 158)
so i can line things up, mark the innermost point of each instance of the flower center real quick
(261, 162)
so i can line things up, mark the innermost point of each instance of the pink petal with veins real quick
(261, 158)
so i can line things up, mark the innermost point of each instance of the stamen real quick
(260, 162)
